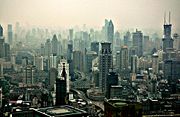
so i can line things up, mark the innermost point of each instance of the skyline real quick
(144, 14)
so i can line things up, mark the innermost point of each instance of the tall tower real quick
(10, 34)
(105, 63)
(167, 39)
(61, 87)
(110, 33)
(138, 42)
(54, 43)
(1, 31)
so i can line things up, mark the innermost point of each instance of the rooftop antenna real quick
(164, 17)
(169, 17)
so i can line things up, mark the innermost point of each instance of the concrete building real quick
(155, 63)
(48, 48)
(78, 61)
(29, 75)
(53, 61)
(138, 42)
(10, 34)
(54, 43)
(110, 34)
(95, 47)
(90, 55)
(105, 63)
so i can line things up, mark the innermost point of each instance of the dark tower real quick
(167, 39)
(61, 88)
(1, 31)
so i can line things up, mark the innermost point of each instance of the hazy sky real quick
(68, 13)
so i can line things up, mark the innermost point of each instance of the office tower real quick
(1, 69)
(53, 73)
(134, 62)
(78, 62)
(29, 75)
(155, 63)
(112, 79)
(176, 38)
(110, 33)
(48, 48)
(0, 97)
(167, 39)
(10, 34)
(61, 87)
(69, 50)
(124, 59)
(7, 51)
(54, 43)
(127, 39)
(63, 65)
(117, 41)
(89, 57)
(53, 61)
(105, 63)
(2, 47)
(71, 34)
(147, 44)
(13, 59)
(172, 69)
(137, 42)
(1, 31)
(39, 62)
(95, 47)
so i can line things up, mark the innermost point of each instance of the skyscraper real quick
(124, 59)
(10, 34)
(155, 63)
(78, 62)
(61, 87)
(54, 43)
(1, 31)
(167, 39)
(138, 42)
(48, 48)
(95, 47)
(105, 63)
(110, 33)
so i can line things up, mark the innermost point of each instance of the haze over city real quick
(126, 14)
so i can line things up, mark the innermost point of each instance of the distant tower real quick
(110, 33)
(29, 75)
(1, 31)
(61, 87)
(10, 34)
(54, 43)
(155, 63)
(70, 34)
(48, 48)
(167, 39)
(53, 61)
(138, 42)
(105, 63)
(124, 61)
(95, 47)
(78, 61)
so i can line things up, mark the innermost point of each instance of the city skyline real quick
(144, 14)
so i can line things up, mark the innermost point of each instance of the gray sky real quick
(67, 13)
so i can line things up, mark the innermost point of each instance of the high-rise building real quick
(78, 62)
(138, 42)
(105, 63)
(124, 59)
(134, 63)
(110, 34)
(10, 34)
(39, 62)
(90, 55)
(95, 47)
(42, 50)
(61, 88)
(48, 48)
(167, 39)
(69, 50)
(127, 39)
(1, 31)
(1, 47)
(176, 38)
(155, 63)
(54, 43)
(112, 79)
(71, 34)
(7, 51)
(53, 61)
(29, 75)
(53, 73)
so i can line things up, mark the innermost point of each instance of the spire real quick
(164, 18)
(169, 17)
